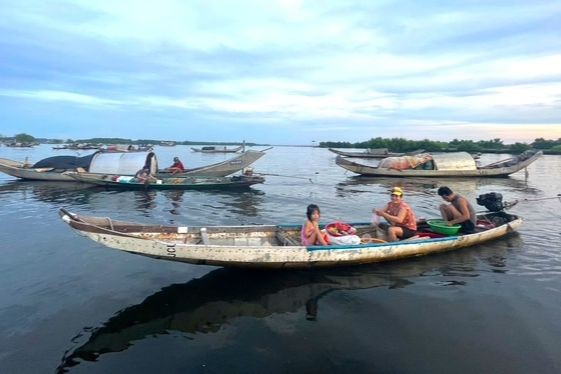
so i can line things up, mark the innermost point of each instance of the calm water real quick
(69, 304)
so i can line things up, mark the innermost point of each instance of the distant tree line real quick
(394, 144)
(26, 138)
(489, 146)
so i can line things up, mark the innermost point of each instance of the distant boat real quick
(273, 246)
(126, 148)
(79, 146)
(375, 153)
(171, 183)
(456, 164)
(20, 145)
(212, 149)
(167, 143)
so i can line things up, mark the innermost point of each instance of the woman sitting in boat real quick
(311, 234)
(177, 166)
(400, 217)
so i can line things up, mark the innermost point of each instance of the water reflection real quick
(80, 195)
(144, 201)
(175, 198)
(219, 298)
(49, 192)
(245, 203)
(427, 186)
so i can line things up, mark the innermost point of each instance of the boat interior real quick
(272, 236)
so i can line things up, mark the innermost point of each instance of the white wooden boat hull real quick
(254, 249)
(16, 169)
(221, 169)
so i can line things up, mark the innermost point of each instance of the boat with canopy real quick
(127, 163)
(456, 164)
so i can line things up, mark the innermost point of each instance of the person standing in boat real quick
(177, 166)
(400, 217)
(311, 234)
(459, 211)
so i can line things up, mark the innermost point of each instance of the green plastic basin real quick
(439, 226)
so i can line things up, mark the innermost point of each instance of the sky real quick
(281, 72)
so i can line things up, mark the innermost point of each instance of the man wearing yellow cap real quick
(400, 217)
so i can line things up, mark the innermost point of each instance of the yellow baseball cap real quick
(397, 191)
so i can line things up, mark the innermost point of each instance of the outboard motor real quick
(493, 201)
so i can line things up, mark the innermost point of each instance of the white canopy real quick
(454, 161)
(123, 163)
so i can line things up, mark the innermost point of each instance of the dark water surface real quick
(69, 304)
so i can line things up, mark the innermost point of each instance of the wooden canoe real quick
(217, 149)
(457, 164)
(220, 169)
(268, 246)
(174, 183)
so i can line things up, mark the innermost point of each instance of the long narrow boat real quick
(270, 246)
(457, 164)
(374, 153)
(173, 183)
(213, 149)
(54, 168)
(220, 169)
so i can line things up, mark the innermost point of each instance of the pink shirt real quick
(409, 221)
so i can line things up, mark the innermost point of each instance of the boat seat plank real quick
(286, 240)
(204, 236)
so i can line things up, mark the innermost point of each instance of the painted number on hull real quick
(171, 252)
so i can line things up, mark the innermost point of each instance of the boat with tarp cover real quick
(128, 163)
(456, 164)
(274, 246)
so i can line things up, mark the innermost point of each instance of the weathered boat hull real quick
(220, 169)
(17, 169)
(253, 246)
(372, 171)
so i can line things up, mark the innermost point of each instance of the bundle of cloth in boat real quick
(404, 162)
(340, 233)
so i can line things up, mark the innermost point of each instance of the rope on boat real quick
(513, 203)
(287, 176)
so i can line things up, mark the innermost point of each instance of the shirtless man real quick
(459, 211)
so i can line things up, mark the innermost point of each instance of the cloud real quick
(369, 68)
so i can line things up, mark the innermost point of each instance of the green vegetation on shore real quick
(487, 146)
(25, 138)
(394, 144)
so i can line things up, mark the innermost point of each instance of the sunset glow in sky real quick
(285, 72)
